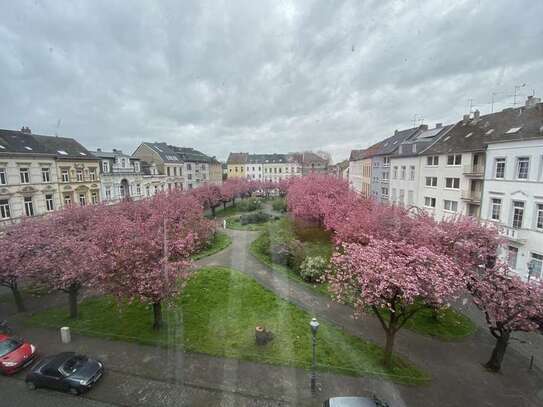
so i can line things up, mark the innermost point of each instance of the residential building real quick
(153, 181)
(254, 166)
(28, 177)
(215, 172)
(313, 163)
(165, 160)
(513, 185)
(405, 182)
(236, 163)
(355, 170)
(195, 165)
(339, 170)
(77, 170)
(121, 176)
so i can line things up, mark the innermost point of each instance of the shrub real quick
(251, 218)
(248, 205)
(279, 205)
(312, 268)
(296, 254)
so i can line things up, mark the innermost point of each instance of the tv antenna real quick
(517, 88)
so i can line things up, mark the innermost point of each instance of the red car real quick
(15, 354)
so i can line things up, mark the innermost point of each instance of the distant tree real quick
(509, 305)
(209, 196)
(395, 280)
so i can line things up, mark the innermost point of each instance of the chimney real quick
(476, 114)
(114, 150)
(439, 125)
(424, 127)
(26, 130)
(465, 118)
(531, 101)
(396, 132)
(99, 150)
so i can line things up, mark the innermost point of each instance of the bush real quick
(313, 268)
(248, 205)
(279, 205)
(252, 218)
(296, 254)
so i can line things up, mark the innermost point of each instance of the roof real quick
(310, 157)
(421, 141)
(112, 154)
(188, 154)
(30, 144)
(237, 158)
(343, 164)
(164, 151)
(388, 146)
(475, 133)
(356, 155)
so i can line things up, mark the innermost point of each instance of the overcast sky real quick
(260, 76)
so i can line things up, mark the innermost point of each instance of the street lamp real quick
(314, 328)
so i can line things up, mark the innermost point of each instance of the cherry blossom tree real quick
(509, 305)
(65, 254)
(148, 248)
(209, 196)
(393, 279)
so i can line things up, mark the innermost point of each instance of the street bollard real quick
(65, 336)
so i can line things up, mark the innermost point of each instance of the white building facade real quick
(513, 198)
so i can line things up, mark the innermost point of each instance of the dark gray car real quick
(66, 371)
(351, 401)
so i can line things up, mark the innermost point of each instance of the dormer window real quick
(105, 166)
(82, 153)
(62, 152)
(513, 130)
(28, 148)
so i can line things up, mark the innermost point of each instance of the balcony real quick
(472, 196)
(513, 234)
(471, 170)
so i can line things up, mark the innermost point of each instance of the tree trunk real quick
(157, 312)
(72, 298)
(495, 362)
(389, 346)
(213, 211)
(234, 201)
(18, 298)
(224, 205)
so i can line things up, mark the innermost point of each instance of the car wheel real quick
(74, 391)
(30, 385)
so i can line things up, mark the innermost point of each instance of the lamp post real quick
(314, 328)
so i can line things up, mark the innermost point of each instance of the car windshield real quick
(72, 365)
(9, 345)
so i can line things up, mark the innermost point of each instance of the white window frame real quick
(432, 201)
(499, 160)
(519, 159)
(5, 209)
(432, 179)
(432, 161)
(24, 174)
(457, 160)
(79, 175)
(539, 216)
(522, 219)
(28, 206)
(453, 182)
(509, 257)
(3, 176)
(46, 175)
(49, 202)
(448, 205)
(496, 203)
(65, 175)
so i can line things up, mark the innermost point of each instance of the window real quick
(123, 162)
(29, 206)
(25, 176)
(431, 181)
(499, 165)
(401, 198)
(94, 197)
(138, 189)
(403, 172)
(386, 161)
(92, 174)
(82, 199)
(136, 166)
(168, 171)
(65, 176)
(189, 168)
(395, 173)
(79, 175)
(147, 190)
(495, 208)
(108, 193)
(385, 175)
(3, 177)
(4, 209)
(49, 203)
(67, 200)
(450, 206)
(393, 197)
(410, 197)
(432, 160)
(45, 175)
(454, 159)
(189, 176)
(537, 265)
(523, 164)
(518, 214)
(453, 183)
(539, 216)
(429, 202)
(412, 173)
(384, 191)
(105, 166)
(512, 255)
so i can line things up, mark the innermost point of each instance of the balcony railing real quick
(472, 170)
(513, 234)
(472, 196)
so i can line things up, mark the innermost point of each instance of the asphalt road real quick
(124, 390)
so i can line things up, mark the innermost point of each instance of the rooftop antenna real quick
(415, 119)
(470, 104)
(517, 88)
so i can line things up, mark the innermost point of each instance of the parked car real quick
(66, 371)
(15, 354)
(354, 402)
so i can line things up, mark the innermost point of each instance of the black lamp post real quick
(314, 328)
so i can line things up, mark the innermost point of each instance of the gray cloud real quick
(259, 76)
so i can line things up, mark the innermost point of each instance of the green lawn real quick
(233, 222)
(450, 325)
(217, 314)
(220, 242)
